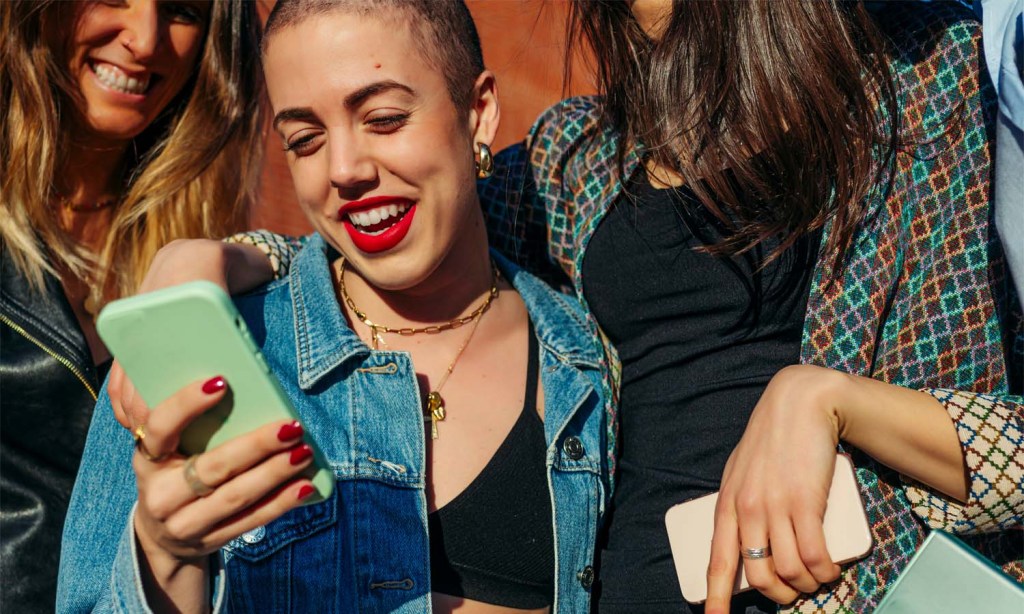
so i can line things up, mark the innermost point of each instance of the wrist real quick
(159, 565)
(822, 392)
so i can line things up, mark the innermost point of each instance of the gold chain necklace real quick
(435, 411)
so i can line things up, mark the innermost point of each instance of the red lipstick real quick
(391, 236)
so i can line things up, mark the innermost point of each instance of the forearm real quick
(907, 430)
(172, 585)
(245, 267)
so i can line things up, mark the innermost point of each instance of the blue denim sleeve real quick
(101, 505)
(99, 566)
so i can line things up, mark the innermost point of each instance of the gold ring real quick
(140, 437)
(199, 487)
(756, 553)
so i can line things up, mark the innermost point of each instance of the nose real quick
(351, 168)
(140, 32)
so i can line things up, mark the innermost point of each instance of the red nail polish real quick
(305, 491)
(214, 384)
(290, 431)
(300, 453)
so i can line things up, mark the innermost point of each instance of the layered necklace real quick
(435, 411)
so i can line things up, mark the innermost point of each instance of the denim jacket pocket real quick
(261, 565)
(300, 523)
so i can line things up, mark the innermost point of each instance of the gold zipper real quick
(64, 361)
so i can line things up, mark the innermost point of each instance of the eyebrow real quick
(351, 101)
(360, 96)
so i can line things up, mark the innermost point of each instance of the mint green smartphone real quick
(178, 335)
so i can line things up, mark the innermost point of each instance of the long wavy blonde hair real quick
(192, 173)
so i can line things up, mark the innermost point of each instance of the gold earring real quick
(485, 165)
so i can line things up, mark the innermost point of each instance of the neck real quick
(459, 284)
(92, 172)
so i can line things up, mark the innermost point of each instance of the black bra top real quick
(494, 542)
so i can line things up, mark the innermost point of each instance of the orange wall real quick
(523, 44)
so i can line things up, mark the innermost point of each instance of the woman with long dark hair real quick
(774, 208)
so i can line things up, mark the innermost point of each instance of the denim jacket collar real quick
(324, 340)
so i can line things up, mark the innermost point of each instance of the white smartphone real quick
(691, 525)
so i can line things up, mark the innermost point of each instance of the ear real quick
(484, 112)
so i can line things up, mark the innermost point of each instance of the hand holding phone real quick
(691, 525)
(189, 508)
(171, 338)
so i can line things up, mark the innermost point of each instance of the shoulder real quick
(558, 319)
(567, 121)
(943, 35)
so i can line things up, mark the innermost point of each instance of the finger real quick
(236, 496)
(753, 532)
(786, 556)
(722, 567)
(164, 425)
(115, 390)
(217, 466)
(265, 511)
(810, 538)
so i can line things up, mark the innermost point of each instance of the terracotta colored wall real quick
(523, 44)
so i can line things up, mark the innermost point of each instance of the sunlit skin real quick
(154, 41)
(651, 15)
(406, 140)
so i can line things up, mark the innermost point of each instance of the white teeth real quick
(116, 79)
(369, 217)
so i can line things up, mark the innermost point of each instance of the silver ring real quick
(756, 553)
(199, 488)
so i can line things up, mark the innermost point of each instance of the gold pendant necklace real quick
(435, 411)
(435, 404)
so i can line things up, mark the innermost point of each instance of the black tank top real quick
(699, 338)
(494, 541)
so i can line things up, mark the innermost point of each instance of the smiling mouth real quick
(117, 80)
(377, 220)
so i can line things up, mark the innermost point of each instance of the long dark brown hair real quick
(786, 102)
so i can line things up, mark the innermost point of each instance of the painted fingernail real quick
(300, 454)
(214, 384)
(305, 491)
(290, 431)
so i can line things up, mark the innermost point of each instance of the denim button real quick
(255, 535)
(586, 577)
(573, 447)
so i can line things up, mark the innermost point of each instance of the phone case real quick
(947, 575)
(691, 525)
(178, 335)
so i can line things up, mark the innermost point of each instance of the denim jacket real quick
(365, 549)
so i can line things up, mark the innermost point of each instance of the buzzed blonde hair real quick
(443, 30)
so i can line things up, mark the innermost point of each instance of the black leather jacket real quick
(48, 389)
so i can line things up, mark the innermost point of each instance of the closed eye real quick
(302, 145)
(388, 123)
